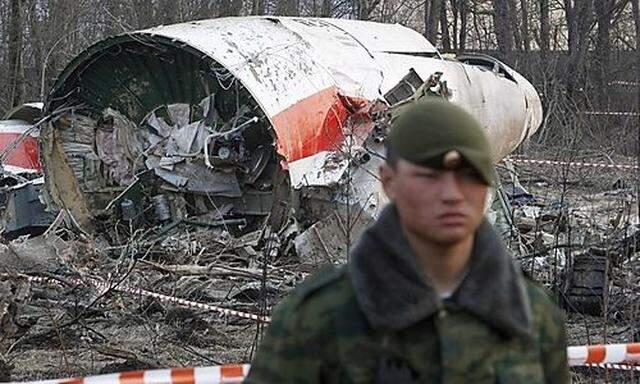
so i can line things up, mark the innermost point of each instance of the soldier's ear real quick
(387, 179)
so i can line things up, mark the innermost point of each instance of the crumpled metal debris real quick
(200, 161)
(22, 212)
(330, 239)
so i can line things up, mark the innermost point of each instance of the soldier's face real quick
(440, 206)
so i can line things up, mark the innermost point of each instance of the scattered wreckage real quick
(231, 122)
(21, 210)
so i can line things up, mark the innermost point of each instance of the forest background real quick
(581, 55)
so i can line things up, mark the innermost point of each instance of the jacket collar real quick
(394, 294)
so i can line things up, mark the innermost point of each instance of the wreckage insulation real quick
(132, 116)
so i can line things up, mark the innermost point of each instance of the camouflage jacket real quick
(377, 320)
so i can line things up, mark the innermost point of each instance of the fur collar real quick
(393, 293)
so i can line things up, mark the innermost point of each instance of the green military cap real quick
(439, 134)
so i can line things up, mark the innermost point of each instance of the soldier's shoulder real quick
(538, 294)
(319, 294)
(543, 307)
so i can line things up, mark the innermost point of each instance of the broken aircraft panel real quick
(230, 112)
(21, 210)
(19, 147)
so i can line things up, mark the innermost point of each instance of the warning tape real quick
(184, 302)
(620, 367)
(608, 113)
(614, 356)
(227, 374)
(624, 167)
(622, 82)
(626, 354)
(104, 287)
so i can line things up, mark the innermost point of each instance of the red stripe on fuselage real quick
(24, 155)
(313, 125)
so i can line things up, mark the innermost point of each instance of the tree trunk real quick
(431, 20)
(444, 28)
(503, 28)
(635, 7)
(15, 53)
(454, 26)
(287, 8)
(364, 8)
(526, 37)
(604, 13)
(258, 7)
(579, 19)
(228, 8)
(327, 6)
(545, 38)
(464, 12)
(513, 20)
(572, 26)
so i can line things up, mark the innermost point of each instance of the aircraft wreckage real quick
(232, 121)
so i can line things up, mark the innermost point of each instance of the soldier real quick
(430, 294)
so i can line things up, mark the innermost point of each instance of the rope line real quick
(227, 374)
(104, 287)
(610, 113)
(579, 164)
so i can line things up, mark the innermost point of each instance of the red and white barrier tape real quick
(625, 354)
(183, 302)
(102, 286)
(614, 356)
(624, 167)
(226, 374)
(610, 113)
(622, 82)
(617, 367)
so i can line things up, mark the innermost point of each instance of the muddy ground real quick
(68, 326)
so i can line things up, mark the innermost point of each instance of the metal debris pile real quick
(578, 233)
(199, 162)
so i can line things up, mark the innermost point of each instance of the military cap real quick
(439, 134)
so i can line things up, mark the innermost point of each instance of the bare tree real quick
(526, 36)
(229, 8)
(258, 7)
(431, 19)
(579, 19)
(514, 23)
(463, 9)
(288, 8)
(504, 28)
(16, 83)
(604, 13)
(364, 8)
(545, 38)
(444, 28)
(327, 7)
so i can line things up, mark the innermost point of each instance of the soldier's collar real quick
(393, 293)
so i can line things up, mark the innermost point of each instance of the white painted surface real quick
(282, 61)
